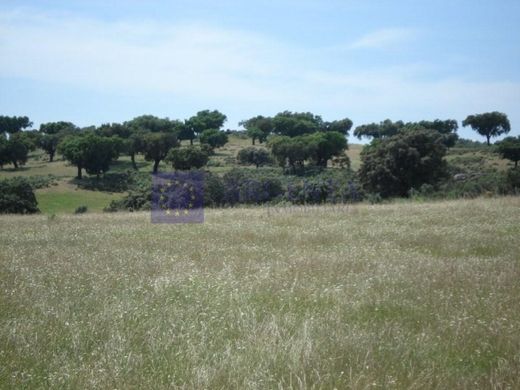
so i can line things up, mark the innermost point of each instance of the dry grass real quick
(392, 296)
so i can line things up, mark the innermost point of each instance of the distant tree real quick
(342, 126)
(156, 147)
(205, 120)
(394, 165)
(253, 156)
(154, 124)
(185, 158)
(489, 124)
(448, 129)
(30, 139)
(13, 124)
(90, 152)
(323, 146)
(214, 138)
(120, 130)
(258, 128)
(49, 143)
(4, 158)
(387, 128)
(186, 133)
(13, 150)
(17, 197)
(289, 151)
(58, 127)
(298, 123)
(509, 148)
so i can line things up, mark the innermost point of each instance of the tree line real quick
(400, 155)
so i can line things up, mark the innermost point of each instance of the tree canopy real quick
(90, 152)
(156, 147)
(205, 120)
(258, 128)
(185, 158)
(214, 138)
(13, 124)
(393, 165)
(509, 148)
(489, 124)
(254, 156)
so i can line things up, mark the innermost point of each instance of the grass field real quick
(408, 295)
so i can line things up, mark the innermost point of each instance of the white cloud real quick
(385, 38)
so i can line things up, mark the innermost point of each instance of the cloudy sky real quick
(98, 61)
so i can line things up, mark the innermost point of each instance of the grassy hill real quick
(389, 296)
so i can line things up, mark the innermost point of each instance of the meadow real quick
(401, 295)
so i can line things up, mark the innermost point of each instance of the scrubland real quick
(403, 295)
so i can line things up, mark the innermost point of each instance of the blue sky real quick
(92, 62)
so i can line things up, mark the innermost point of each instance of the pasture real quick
(402, 295)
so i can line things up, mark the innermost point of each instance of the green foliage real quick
(323, 146)
(205, 120)
(81, 209)
(187, 158)
(58, 127)
(387, 128)
(17, 197)
(13, 150)
(489, 124)
(392, 166)
(298, 123)
(341, 126)
(214, 138)
(90, 152)
(509, 148)
(384, 129)
(258, 127)
(319, 147)
(253, 156)
(156, 147)
(154, 124)
(49, 143)
(13, 124)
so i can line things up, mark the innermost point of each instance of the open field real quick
(405, 295)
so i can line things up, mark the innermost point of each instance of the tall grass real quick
(388, 296)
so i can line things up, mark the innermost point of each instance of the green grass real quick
(65, 198)
(402, 295)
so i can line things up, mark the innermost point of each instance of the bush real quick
(394, 165)
(214, 138)
(81, 210)
(17, 197)
(187, 158)
(253, 156)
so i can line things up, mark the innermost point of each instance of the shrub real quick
(81, 210)
(187, 158)
(17, 197)
(253, 156)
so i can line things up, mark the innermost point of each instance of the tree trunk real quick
(51, 156)
(79, 172)
(488, 137)
(132, 157)
(253, 140)
(191, 141)
(15, 164)
(516, 164)
(156, 165)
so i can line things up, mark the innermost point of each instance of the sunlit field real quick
(407, 295)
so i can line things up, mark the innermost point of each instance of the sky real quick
(98, 61)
